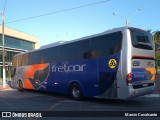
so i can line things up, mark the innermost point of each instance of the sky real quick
(66, 25)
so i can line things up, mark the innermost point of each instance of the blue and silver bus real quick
(115, 64)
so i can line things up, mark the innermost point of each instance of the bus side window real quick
(90, 54)
(114, 49)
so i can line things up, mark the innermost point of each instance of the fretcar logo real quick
(68, 68)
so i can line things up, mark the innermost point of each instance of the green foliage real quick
(157, 44)
(157, 37)
(157, 56)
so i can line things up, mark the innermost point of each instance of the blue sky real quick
(80, 22)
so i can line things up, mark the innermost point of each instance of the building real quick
(15, 42)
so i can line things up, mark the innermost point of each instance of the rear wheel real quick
(76, 92)
(20, 86)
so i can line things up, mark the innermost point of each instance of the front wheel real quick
(76, 92)
(20, 86)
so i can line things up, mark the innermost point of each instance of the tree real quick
(157, 38)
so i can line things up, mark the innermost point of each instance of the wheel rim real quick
(76, 92)
(20, 86)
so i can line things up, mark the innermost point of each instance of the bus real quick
(115, 64)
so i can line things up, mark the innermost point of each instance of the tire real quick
(20, 86)
(76, 92)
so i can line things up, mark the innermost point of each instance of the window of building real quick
(17, 43)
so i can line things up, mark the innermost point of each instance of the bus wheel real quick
(76, 92)
(20, 86)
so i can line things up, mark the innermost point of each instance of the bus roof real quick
(79, 39)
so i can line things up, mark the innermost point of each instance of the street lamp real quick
(126, 20)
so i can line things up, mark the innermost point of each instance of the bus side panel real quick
(88, 83)
(94, 80)
(83, 72)
(57, 82)
(35, 76)
(108, 69)
(18, 76)
(96, 76)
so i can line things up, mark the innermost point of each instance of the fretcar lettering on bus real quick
(68, 68)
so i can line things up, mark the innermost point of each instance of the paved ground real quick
(64, 103)
(12, 100)
(6, 88)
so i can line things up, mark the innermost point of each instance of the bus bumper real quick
(140, 91)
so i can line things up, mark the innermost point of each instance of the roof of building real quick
(18, 34)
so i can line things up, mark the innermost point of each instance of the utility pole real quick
(3, 52)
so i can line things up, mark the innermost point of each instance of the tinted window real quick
(141, 39)
(75, 51)
(48, 55)
(108, 44)
(96, 47)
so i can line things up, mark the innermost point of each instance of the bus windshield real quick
(141, 39)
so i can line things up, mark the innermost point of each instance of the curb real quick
(153, 95)
(6, 88)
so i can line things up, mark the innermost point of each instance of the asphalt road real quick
(157, 83)
(12, 100)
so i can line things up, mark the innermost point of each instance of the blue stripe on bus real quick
(85, 73)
